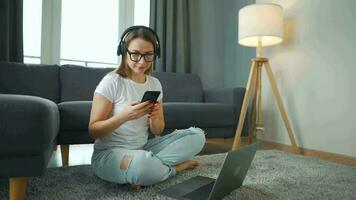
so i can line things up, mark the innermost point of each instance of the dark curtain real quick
(171, 20)
(11, 31)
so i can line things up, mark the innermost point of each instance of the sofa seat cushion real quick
(74, 115)
(182, 115)
(75, 119)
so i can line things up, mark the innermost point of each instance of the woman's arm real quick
(101, 124)
(156, 118)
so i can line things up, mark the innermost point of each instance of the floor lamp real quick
(260, 25)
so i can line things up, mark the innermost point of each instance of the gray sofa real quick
(45, 105)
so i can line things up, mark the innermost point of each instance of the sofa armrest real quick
(28, 125)
(233, 96)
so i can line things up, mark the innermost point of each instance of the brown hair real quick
(142, 33)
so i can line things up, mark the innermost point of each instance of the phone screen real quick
(150, 96)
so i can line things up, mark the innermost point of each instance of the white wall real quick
(316, 73)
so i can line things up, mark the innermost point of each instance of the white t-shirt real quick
(121, 92)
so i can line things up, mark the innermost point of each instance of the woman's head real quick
(139, 47)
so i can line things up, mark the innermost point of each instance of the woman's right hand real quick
(101, 124)
(137, 109)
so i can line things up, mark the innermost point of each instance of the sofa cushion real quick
(30, 79)
(74, 115)
(74, 137)
(78, 83)
(183, 115)
(180, 87)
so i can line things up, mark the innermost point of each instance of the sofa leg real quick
(65, 154)
(18, 188)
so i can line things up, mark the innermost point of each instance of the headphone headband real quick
(121, 49)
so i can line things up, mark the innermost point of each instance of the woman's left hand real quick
(153, 111)
(156, 118)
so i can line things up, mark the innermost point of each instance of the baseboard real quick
(339, 158)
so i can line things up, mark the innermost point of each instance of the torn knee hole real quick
(124, 164)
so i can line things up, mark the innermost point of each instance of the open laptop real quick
(231, 176)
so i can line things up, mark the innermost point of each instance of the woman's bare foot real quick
(189, 164)
(135, 187)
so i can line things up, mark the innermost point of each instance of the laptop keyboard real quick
(201, 193)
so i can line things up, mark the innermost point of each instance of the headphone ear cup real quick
(118, 51)
(121, 49)
(158, 50)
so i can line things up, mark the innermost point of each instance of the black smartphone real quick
(150, 96)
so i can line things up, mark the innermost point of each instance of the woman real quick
(120, 124)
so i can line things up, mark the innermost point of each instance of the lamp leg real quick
(252, 123)
(252, 76)
(277, 96)
(259, 120)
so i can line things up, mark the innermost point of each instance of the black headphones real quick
(121, 49)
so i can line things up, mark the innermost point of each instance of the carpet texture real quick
(272, 175)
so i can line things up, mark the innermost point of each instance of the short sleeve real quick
(107, 87)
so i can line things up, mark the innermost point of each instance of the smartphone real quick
(150, 96)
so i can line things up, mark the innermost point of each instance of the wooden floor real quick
(81, 154)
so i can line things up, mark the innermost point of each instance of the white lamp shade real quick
(262, 22)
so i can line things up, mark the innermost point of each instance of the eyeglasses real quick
(135, 56)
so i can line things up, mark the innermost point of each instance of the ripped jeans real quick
(153, 163)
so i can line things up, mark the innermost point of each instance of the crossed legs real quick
(161, 158)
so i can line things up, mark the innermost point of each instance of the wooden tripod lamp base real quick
(256, 31)
(253, 85)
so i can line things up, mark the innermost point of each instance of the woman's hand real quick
(102, 124)
(156, 118)
(136, 109)
(154, 110)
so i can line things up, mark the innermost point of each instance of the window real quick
(32, 13)
(88, 31)
(142, 12)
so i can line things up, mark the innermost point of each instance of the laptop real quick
(231, 176)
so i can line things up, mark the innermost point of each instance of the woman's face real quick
(136, 47)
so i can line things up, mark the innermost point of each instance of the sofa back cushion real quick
(179, 87)
(78, 83)
(30, 79)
